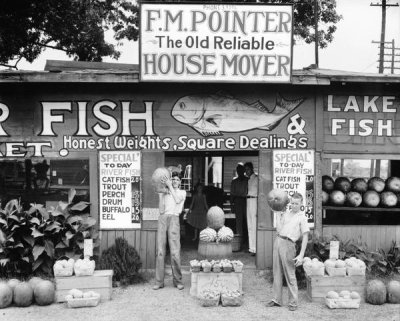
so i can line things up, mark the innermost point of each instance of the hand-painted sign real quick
(293, 171)
(120, 191)
(178, 121)
(215, 42)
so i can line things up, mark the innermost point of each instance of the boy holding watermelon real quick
(170, 205)
(291, 225)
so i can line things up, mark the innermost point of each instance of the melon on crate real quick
(388, 199)
(353, 199)
(376, 184)
(371, 198)
(327, 183)
(376, 292)
(393, 184)
(359, 185)
(325, 198)
(342, 184)
(337, 198)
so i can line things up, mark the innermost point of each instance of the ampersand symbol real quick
(296, 125)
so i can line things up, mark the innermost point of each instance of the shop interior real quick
(215, 171)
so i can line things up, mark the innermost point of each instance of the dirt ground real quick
(141, 302)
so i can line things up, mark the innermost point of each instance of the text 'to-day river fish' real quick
(213, 114)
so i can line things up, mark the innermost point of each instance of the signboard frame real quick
(128, 199)
(309, 189)
(213, 78)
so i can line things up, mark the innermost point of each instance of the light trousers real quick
(252, 223)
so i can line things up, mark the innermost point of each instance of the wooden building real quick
(90, 122)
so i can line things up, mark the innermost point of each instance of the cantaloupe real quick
(340, 264)
(354, 295)
(215, 217)
(332, 295)
(6, 295)
(376, 292)
(44, 292)
(23, 294)
(393, 291)
(330, 263)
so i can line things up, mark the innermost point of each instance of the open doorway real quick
(215, 172)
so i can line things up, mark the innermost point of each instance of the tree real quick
(74, 26)
(78, 26)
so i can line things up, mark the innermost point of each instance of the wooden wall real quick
(375, 236)
(144, 241)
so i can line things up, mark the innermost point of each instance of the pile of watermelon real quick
(378, 293)
(374, 192)
(24, 293)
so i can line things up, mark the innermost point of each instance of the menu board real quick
(293, 171)
(120, 189)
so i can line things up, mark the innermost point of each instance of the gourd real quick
(215, 217)
(225, 234)
(208, 235)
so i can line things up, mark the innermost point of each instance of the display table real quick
(100, 282)
(216, 281)
(319, 286)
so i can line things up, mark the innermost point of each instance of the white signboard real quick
(120, 189)
(294, 172)
(216, 42)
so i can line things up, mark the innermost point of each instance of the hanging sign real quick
(215, 42)
(293, 171)
(120, 189)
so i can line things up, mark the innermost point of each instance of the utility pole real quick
(316, 31)
(394, 53)
(383, 30)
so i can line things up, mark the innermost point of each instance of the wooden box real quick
(215, 281)
(100, 282)
(319, 286)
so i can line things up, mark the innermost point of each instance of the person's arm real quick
(298, 260)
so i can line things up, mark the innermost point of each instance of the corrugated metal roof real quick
(78, 71)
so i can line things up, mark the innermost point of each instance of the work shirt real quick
(239, 187)
(291, 226)
(252, 186)
(168, 205)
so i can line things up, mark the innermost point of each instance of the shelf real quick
(362, 209)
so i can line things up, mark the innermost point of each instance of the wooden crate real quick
(319, 286)
(217, 281)
(100, 282)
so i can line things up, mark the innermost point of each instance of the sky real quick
(351, 49)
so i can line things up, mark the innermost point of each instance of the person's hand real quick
(298, 260)
(166, 180)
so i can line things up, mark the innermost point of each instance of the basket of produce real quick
(216, 266)
(206, 266)
(231, 298)
(237, 266)
(195, 266)
(355, 266)
(84, 267)
(313, 267)
(78, 299)
(343, 300)
(64, 267)
(209, 298)
(227, 266)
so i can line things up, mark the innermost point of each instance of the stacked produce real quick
(23, 294)
(228, 298)
(313, 267)
(216, 266)
(68, 267)
(335, 267)
(343, 300)
(231, 298)
(355, 266)
(79, 299)
(209, 298)
(216, 230)
(374, 192)
(64, 267)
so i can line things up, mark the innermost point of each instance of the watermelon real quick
(156, 179)
(6, 295)
(393, 291)
(44, 292)
(23, 294)
(376, 292)
(34, 281)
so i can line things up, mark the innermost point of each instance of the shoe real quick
(253, 254)
(292, 308)
(157, 287)
(271, 304)
(180, 287)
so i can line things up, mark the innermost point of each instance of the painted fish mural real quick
(210, 115)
